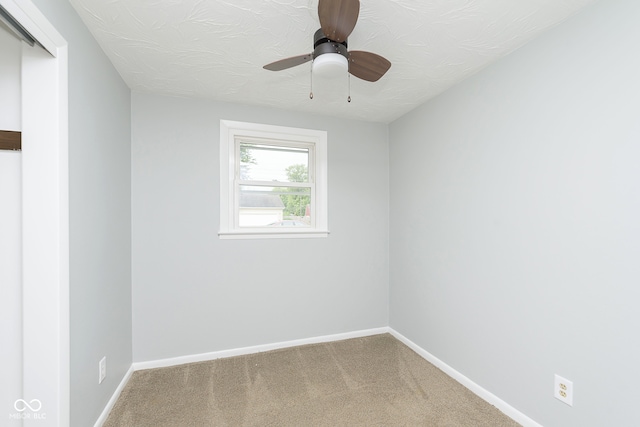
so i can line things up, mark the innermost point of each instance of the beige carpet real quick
(371, 381)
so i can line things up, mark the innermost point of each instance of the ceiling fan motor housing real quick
(322, 44)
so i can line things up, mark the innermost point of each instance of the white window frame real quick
(231, 132)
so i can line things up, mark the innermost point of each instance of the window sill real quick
(254, 234)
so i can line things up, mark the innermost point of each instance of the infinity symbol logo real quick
(22, 405)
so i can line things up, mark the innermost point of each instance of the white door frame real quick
(45, 221)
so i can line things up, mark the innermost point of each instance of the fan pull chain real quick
(311, 79)
(349, 85)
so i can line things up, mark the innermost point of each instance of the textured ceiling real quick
(216, 48)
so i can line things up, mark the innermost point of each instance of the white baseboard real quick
(114, 398)
(481, 392)
(162, 363)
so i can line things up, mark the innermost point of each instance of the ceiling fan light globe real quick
(330, 65)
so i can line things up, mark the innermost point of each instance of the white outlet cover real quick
(102, 370)
(563, 390)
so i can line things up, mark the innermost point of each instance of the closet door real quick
(10, 284)
(10, 232)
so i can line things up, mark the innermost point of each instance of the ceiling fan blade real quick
(283, 64)
(338, 18)
(367, 66)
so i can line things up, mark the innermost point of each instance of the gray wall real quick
(194, 293)
(515, 239)
(99, 211)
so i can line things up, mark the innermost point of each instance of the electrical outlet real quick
(563, 390)
(102, 369)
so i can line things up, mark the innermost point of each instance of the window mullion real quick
(250, 183)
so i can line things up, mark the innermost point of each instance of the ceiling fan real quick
(330, 55)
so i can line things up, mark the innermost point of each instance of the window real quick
(273, 181)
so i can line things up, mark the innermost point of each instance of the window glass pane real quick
(273, 163)
(274, 206)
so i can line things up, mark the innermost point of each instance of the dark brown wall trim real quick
(10, 140)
